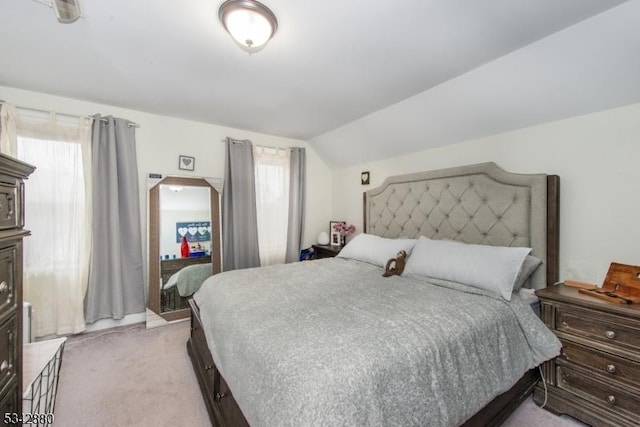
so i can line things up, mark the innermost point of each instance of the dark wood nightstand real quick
(596, 379)
(326, 251)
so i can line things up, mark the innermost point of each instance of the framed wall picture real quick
(195, 231)
(364, 177)
(186, 163)
(335, 239)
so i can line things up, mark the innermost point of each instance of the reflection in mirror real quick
(184, 243)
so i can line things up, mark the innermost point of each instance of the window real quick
(56, 255)
(272, 202)
(58, 191)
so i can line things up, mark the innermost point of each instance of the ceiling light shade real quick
(250, 23)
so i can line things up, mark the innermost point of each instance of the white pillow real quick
(529, 265)
(493, 268)
(375, 249)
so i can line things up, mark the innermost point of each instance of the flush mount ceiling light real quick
(250, 23)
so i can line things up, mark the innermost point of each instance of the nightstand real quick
(596, 379)
(326, 251)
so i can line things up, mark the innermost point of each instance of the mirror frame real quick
(154, 240)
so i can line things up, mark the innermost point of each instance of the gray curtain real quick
(116, 281)
(297, 197)
(239, 215)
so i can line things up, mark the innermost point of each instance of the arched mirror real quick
(184, 242)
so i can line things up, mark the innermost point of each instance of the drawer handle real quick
(611, 399)
(610, 334)
(10, 202)
(4, 367)
(611, 369)
(565, 325)
(4, 287)
(208, 367)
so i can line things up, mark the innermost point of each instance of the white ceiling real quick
(188, 198)
(349, 75)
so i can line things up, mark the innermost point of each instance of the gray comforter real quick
(189, 279)
(333, 343)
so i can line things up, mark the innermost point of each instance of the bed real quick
(188, 279)
(181, 277)
(182, 284)
(353, 357)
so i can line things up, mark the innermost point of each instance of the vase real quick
(184, 247)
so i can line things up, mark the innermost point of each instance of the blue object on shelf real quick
(196, 254)
(307, 254)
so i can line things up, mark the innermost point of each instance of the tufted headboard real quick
(480, 204)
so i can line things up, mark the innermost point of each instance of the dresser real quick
(12, 175)
(596, 379)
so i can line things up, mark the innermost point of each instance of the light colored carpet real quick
(530, 415)
(129, 376)
(133, 376)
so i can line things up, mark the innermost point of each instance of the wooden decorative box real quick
(621, 285)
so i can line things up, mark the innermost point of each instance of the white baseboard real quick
(129, 319)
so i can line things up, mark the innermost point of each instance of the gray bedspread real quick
(333, 343)
(189, 279)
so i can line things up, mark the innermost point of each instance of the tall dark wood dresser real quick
(596, 379)
(12, 175)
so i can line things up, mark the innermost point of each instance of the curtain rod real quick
(129, 123)
(238, 141)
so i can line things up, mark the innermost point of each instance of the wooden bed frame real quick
(224, 411)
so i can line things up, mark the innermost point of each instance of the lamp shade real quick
(323, 238)
(250, 23)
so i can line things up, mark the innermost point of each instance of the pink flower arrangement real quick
(344, 229)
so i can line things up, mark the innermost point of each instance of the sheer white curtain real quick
(8, 139)
(58, 212)
(272, 168)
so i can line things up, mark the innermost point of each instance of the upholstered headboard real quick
(480, 204)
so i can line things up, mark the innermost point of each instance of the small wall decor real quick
(364, 177)
(186, 163)
(194, 231)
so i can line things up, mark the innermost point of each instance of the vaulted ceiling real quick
(360, 79)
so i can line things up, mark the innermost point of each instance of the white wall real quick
(597, 157)
(161, 139)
